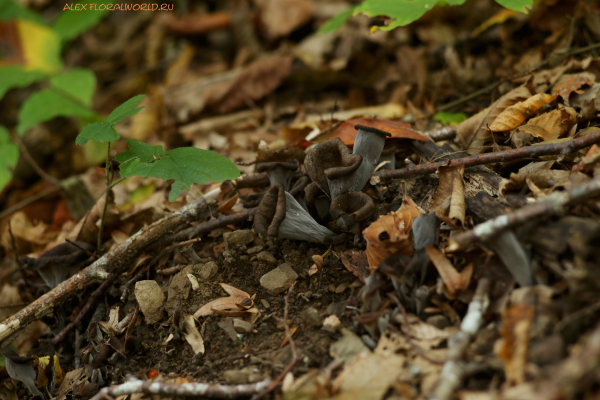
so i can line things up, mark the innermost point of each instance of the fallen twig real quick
(552, 204)
(194, 389)
(563, 148)
(100, 270)
(454, 369)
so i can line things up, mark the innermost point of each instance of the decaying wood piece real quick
(192, 389)
(552, 204)
(563, 148)
(115, 260)
(454, 369)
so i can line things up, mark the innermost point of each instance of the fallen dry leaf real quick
(281, 17)
(237, 300)
(512, 349)
(472, 134)
(398, 130)
(515, 115)
(192, 336)
(453, 280)
(389, 234)
(356, 262)
(449, 198)
(555, 123)
(572, 83)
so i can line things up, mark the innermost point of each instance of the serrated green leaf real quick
(10, 10)
(185, 165)
(78, 83)
(125, 110)
(516, 5)
(98, 131)
(144, 151)
(14, 76)
(74, 21)
(337, 21)
(447, 118)
(9, 155)
(47, 104)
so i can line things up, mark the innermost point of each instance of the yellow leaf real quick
(41, 47)
(501, 16)
(515, 115)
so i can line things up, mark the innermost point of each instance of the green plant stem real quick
(108, 187)
(115, 183)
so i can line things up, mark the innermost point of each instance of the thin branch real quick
(553, 204)
(107, 172)
(193, 389)
(25, 153)
(563, 148)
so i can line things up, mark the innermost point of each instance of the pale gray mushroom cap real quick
(299, 225)
(369, 144)
(279, 172)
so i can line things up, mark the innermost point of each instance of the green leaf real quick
(125, 110)
(98, 131)
(9, 155)
(15, 76)
(143, 151)
(73, 21)
(77, 83)
(10, 10)
(45, 105)
(447, 118)
(185, 165)
(516, 5)
(337, 21)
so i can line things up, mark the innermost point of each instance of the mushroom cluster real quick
(330, 198)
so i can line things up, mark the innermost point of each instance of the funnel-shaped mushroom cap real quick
(368, 144)
(299, 225)
(352, 207)
(279, 172)
(330, 160)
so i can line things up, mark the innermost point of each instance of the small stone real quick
(237, 238)
(242, 326)
(266, 257)
(439, 321)
(279, 279)
(244, 375)
(227, 326)
(179, 290)
(206, 271)
(311, 317)
(151, 300)
(265, 303)
(255, 250)
(341, 288)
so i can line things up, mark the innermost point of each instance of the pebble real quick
(439, 321)
(279, 279)
(255, 250)
(242, 326)
(265, 303)
(237, 238)
(206, 271)
(311, 317)
(179, 290)
(266, 257)
(151, 300)
(241, 376)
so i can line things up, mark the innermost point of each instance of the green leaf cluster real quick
(404, 12)
(447, 118)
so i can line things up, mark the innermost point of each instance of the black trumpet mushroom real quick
(350, 208)
(388, 154)
(279, 172)
(368, 144)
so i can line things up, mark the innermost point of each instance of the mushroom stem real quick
(388, 154)
(280, 173)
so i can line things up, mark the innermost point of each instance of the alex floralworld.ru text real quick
(119, 7)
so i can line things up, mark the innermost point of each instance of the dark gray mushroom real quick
(388, 154)
(316, 201)
(270, 212)
(350, 208)
(369, 143)
(279, 172)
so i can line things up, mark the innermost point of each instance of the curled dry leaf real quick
(398, 130)
(453, 280)
(515, 115)
(554, 124)
(192, 336)
(543, 179)
(356, 262)
(572, 83)
(472, 134)
(512, 349)
(389, 234)
(237, 300)
(449, 198)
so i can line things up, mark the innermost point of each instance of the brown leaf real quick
(514, 344)
(554, 123)
(238, 299)
(254, 82)
(515, 115)
(449, 198)
(472, 135)
(389, 234)
(543, 179)
(399, 130)
(591, 95)
(455, 281)
(356, 262)
(281, 17)
(570, 83)
(226, 207)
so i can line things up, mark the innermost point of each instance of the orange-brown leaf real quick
(398, 130)
(570, 83)
(455, 281)
(238, 299)
(515, 341)
(515, 115)
(555, 123)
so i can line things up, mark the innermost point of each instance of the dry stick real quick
(447, 132)
(194, 389)
(25, 153)
(107, 172)
(563, 148)
(453, 371)
(120, 256)
(553, 204)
